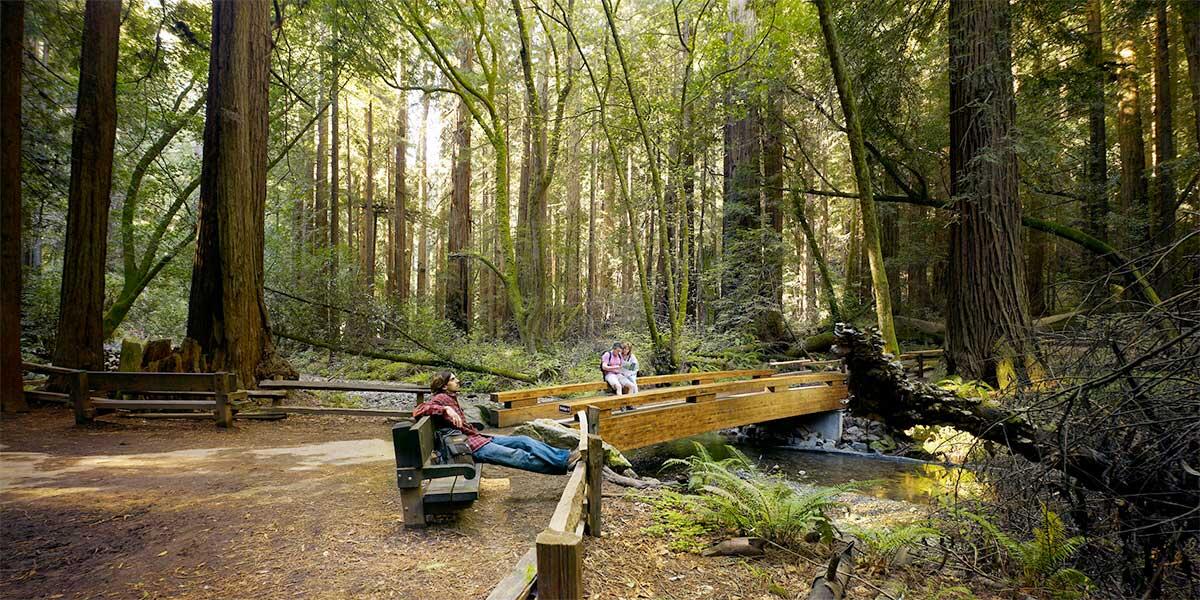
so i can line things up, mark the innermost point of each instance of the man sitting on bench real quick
(516, 451)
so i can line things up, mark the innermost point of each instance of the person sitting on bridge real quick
(516, 451)
(629, 368)
(610, 367)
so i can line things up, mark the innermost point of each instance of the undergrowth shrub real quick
(880, 545)
(732, 494)
(1041, 560)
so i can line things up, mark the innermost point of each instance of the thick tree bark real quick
(987, 310)
(862, 175)
(1130, 137)
(1096, 209)
(12, 34)
(80, 338)
(1162, 209)
(593, 272)
(458, 276)
(370, 218)
(226, 310)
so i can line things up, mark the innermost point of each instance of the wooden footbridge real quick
(705, 402)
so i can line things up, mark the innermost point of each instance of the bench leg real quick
(414, 506)
(223, 412)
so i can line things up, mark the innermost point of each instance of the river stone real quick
(858, 447)
(561, 436)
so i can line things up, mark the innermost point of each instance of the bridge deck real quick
(660, 417)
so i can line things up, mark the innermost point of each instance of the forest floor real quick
(305, 507)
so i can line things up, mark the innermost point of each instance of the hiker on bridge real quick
(629, 368)
(516, 451)
(610, 367)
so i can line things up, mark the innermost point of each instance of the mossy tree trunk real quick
(12, 34)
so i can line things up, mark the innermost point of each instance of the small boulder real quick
(738, 546)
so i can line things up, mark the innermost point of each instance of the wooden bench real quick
(211, 391)
(426, 487)
(524, 404)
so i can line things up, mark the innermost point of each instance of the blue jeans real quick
(525, 453)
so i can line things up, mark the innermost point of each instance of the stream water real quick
(879, 476)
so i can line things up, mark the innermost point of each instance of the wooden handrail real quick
(606, 403)
(516, 396)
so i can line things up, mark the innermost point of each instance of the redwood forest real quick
(510, 299)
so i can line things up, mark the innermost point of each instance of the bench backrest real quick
(125, 381)
(413, 443)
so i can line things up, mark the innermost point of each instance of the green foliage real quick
(754, 504)
(1041, 559)
(880, 544)
(675, 520)
(967, 388)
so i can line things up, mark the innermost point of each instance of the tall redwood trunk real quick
(351, 213)
(1162, 209)
(987, 314)
(370, 240)
(12, 32)
(1130, 137)
(593, 273)
(400, 212)
(1096, 209)
(1189, 18)
(334, 226)
(80, 338)
(458, 276)
(226, 310)
(423, 212)
(320, 215)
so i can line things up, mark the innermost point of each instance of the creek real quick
(876, 475)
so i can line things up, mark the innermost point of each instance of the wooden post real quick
(593, 419)
(595, 472)
(78, 382)
(920, 366)
(223, 412)
(560, 565)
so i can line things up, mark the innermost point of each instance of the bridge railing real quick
(556, 560)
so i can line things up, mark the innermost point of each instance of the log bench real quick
(525, 404)
(427, 487)
(204, 391)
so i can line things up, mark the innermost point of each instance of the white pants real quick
(630, 383)
(616, 382)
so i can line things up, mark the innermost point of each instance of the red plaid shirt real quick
(437, 407)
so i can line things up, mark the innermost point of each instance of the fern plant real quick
(1042, 559)
(755, 504)
(881, 544)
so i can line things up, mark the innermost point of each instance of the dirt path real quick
(301, 508)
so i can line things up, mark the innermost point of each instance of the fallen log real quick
(412, 359)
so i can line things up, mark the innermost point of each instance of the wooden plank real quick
(344, 386)
(354, 412)
(253, 416)
(519, 581)
(655, 425)
(115, 381)
(570, 504)
(923, 353)
(560, 565)
(42, 396)
(154, 404)
(47, 369)
(551, 410)
(529, 396)
(267, 393)
(453, 489)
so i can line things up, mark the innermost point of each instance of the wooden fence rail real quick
(556, 560)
